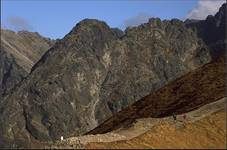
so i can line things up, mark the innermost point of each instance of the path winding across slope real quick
(142, 126)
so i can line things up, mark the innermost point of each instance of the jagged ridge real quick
(92, 73)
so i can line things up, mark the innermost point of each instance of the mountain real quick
(212, 30)
(92, 73)
(205, 121)
(26, 47)
(148, 123)
(18, 53)
(10, 73)
(187, 93)
(95, 72)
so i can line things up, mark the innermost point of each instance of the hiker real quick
(174, 117)
(184, 116)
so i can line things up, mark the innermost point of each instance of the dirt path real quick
(207, 133)
(144, 125)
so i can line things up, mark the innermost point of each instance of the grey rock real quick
(212, 31)
(10, 73)
(118, 32)
(18, 53)
(26, 47)
(92, 73)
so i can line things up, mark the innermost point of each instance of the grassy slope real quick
(209, 132)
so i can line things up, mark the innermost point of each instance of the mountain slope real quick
(132, 136)
(18, 53)
(212, 30)
(26, 47)
(10, 73)
(189, 92)
(208, 132)
(92, 73)
(96, 71)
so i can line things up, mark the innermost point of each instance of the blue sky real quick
(55, 18)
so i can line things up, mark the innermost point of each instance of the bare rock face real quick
(18, 53)
(10, 73)
(212, 31)
(145, 59)
(92, 73)
(189, 92)
(26, 47)
(63, 85)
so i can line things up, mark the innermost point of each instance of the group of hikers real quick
(175, 117)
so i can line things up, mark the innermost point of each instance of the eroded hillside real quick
(18, 53)
(24, 46)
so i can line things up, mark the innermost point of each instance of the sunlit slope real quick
(209, 132)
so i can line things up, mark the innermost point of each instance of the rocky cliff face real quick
(10, 73)
(212, 31)
(180, 96)
(92, 73)
(146, 58)
(18, 53)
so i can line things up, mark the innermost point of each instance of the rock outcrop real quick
(92, 73)
(10, 73)
(212, 30)
(18, 53)
(185, 94)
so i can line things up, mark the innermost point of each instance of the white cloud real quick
(18, 23)
(137, 20)
(205, 8)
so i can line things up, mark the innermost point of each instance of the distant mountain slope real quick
(212, 30)
(26, 47)
(197, 88)
(18, 53)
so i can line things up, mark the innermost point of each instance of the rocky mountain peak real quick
(92, 73)
(85, 23)
(88, 37)
(212, 31)
(222, 10)
(89, 27)
(155, 22)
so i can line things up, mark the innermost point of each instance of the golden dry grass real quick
(209, 132)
